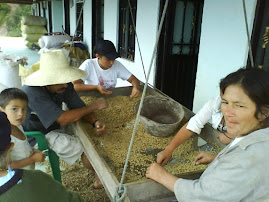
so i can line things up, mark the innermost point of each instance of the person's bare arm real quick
(135, 82)
(182, 135)
(160, 175)
(74, 115)
(79, 86)
(38, 156)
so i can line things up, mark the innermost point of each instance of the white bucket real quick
(9, 71)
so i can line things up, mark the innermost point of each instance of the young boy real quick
(14, 103)
(104, 70)
(26, 185)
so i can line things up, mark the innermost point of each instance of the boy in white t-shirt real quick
(13, 102)
(103, 71)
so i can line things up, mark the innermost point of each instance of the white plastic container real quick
(9, 70)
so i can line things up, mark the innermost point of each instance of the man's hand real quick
(135, 92)
(204, 158)
(100, 128)
(163, 157)
(103, 91)
(101, 103)
(224, 139)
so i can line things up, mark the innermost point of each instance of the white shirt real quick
(106, 78)
(210, 112)
(21, 150)
(6, 178)
(236, 140)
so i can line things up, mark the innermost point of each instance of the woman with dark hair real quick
(240, 171)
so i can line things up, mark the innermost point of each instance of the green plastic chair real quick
(53, 158)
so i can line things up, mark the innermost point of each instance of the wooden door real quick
(178, 50)
(260, 36)
(97, 22)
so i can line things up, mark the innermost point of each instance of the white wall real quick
(73, 19)
(147, 22)
(111, 20)
(87, 25)
(146, 27)
(57, 8)
(223, 45)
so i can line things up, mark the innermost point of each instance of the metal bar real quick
(183, 26)
(248, 37)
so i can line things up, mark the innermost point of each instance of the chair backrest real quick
(53, 158)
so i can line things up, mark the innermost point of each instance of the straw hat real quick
(54, 69)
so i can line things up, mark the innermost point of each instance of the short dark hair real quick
(106, 48)
(255, 83)
(11, 94)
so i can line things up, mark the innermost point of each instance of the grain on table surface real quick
(113, 147)
(119, 118)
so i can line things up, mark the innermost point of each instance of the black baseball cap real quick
(106, 48)
(5, 131)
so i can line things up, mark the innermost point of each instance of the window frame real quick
(126, 42)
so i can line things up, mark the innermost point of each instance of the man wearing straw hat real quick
(47, 89)
(26, 185)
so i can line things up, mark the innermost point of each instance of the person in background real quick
(26, 185)
(240, 171)
(210, 112)
(47, 89)
(13, 102)
(104, 70)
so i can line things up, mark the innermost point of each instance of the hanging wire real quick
(249, 43)
(121, 189)
(132, 17)
(79, 17)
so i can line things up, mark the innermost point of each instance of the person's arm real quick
(135, 82)
(225, 137)
(160, 175)
(182, 135)
(73, 115)
(38, 156)
(79, 86)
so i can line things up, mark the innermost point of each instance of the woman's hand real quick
(163, 157)
(158, 173)
(204, 158)
(155, 172)
(224, 139)
(100, 128)
(103, 90)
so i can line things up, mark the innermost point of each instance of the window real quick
(97, 22)
(79, 33)
(126, 29)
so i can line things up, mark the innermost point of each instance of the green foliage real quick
(4, 11)
(14, 20)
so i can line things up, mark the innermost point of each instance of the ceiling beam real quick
(22, 1)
